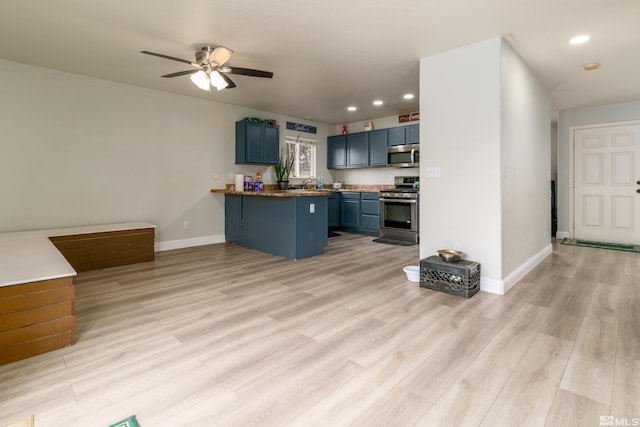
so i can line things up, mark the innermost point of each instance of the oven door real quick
(399, 214)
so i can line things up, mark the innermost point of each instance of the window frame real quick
(298, 141)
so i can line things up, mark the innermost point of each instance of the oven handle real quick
(399, 200)
(413, 152)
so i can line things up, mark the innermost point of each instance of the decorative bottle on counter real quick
(320, 182)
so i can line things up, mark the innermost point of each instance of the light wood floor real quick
(222, 335)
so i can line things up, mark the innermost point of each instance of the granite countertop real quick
(272, 192)
(277, 193)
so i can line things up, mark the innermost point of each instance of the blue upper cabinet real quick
(257, 143)
(358, 150)
(404, 135)
(396, 136)
(378, 148)
(337, 152)
(412, 134)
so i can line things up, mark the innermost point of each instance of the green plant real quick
(284, 166)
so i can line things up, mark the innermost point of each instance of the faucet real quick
(306, 181)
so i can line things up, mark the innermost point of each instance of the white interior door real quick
(606, 172)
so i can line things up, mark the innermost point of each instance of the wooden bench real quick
(36, 280)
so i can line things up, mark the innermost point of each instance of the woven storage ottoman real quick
(461, 278)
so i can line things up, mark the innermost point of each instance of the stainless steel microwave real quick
(403, 156)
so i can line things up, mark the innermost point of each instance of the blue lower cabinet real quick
(360, 213)
(233, 226)
(370, 213)
(350, 212)
(333, 210)
(291, 227)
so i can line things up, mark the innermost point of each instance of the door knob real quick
(638, 190)
(638, 182)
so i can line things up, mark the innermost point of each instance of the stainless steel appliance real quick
(399, 211)
(404, 156)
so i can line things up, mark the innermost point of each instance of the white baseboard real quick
(188, 243)
(562, 234)
(501, 287)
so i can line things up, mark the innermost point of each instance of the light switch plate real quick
(312, 208)
(433, 172)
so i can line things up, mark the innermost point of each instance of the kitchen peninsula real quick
(289, 223)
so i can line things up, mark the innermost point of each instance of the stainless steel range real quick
(399, 211)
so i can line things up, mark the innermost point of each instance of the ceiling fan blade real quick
(228, 80)
(181, 73)
(220, 55)
(250, 72)
(173, 58)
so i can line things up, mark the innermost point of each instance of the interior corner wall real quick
(576, 117)
(460, 134)
(526, 163)
(76, 150)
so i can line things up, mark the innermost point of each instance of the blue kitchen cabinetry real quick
(412, 134)
(337, 152)
(350, 212)
(257, 143)
(358, 150)
(291, 227)
(233, 229)
(348, 151)
(403, 135)
(333, 210)
(360, 213)
(378, 148)
(369, 213)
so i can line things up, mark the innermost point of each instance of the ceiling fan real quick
(209, 69)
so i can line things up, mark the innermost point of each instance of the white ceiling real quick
(327, 54)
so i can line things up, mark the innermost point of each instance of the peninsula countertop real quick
(278, 193)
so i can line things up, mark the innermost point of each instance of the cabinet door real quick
(378, 148)
(332, 211)
(233, 218)
(412, 135)
(351, 210)
(370, 212)
(358, 150)
(337, 152)
(396, 136)
(271, 144)
(253, 142)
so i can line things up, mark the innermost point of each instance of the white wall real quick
(576, 117)
(460, 134)
(485, 122)
(526, 163)
(80, 151)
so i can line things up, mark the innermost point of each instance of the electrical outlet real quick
(215, 175)
(312, 208)
(185, 224)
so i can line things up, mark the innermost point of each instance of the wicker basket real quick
(461, 278)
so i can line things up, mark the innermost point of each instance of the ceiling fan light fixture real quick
(217, 81)
(201, 80)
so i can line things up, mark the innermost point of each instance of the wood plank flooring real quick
(221, 335)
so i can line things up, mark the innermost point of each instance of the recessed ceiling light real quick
(408, 96)
(592, 66)
(580, 39)
(377, 102)
(351, 108)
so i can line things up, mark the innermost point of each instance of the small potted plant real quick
(283, 169)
